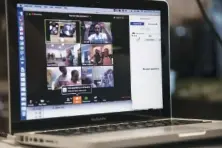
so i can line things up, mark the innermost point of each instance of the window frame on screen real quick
(13, 68)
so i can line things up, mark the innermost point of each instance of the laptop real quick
(93, 74)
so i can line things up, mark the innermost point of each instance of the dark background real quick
(196, 59)
(3, 63)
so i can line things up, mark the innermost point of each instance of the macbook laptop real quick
(93, 74)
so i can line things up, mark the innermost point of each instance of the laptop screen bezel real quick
(21, 126)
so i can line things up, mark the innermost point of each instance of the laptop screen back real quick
(78, 61)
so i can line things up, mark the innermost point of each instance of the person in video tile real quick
(103, 76)
(69, 58)
(54, 28)
(86, 76)
(63, 55)
(98, 32)
(98, 55)
(63, 79)
(57, 77)
(106, 59)
(61, 31)
(49, 78)
(74, 78)
(67, 30)
(107, 79)
(79, 57)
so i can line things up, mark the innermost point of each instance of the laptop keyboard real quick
(118, 127)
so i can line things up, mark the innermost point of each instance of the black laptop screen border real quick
(21, 126)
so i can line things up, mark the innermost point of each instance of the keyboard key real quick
(149, 124)
(101, 129)
(91, 130)
(159, 124)
(141, 125)
(122, 126)
(166, 122)
(82, 130)
(111, 128)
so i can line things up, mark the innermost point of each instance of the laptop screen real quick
(77, 61)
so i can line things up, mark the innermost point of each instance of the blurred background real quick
(196, 58)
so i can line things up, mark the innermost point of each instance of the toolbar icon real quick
(77, 100)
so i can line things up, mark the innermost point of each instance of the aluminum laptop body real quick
(93, 74)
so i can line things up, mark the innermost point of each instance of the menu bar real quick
(64, 9)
